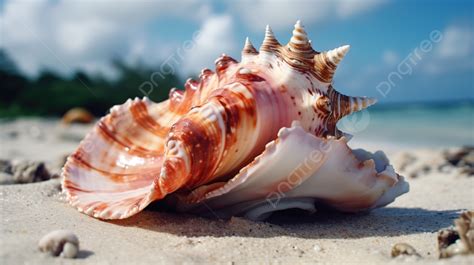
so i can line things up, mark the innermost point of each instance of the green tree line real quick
(51, 94)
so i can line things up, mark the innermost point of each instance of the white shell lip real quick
(379, 180)
(401, 187)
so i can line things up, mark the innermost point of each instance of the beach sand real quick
(29, 211)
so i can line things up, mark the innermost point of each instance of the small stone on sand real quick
(403, 249)
(22, 171)
(458, 240)
(61, 243)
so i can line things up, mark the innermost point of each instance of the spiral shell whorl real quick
(299, 42)
(270, 43)
(249, 48)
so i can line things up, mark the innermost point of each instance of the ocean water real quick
(415, 125)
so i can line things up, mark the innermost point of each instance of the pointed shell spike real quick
(268, 32)
(325, 63)
(249, 48)
(270, 43)
(346, 105)
(360, 103)
(336, 55)
(299, 40)
(299, 45)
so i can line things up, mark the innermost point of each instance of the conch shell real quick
(249, 139)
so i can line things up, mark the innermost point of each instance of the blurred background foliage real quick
(51, 94)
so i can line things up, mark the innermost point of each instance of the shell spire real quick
(346, 105)
(336, 55)
(299, 42)
(270, 43)
(249, 48)
(325, 63)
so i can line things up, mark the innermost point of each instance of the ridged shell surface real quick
(249, 138)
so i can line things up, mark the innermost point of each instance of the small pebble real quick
(20, 171)
(317, 248)
(403, 249)
(69, 250)
(61, 243)
(463, 159)
(28, 172)
(457, 240)
(77, 115)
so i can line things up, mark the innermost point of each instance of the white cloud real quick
(216, 37)
(282, 14)
(457, 42)
(437, 55)
(80, 37)
(65, 35)
(348, 8)
(390, 57)
(454, 52)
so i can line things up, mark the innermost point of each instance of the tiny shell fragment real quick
(77, 115)
(61, 243)
(403, 249)
(458, 240)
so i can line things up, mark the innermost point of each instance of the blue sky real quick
(384, 35)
